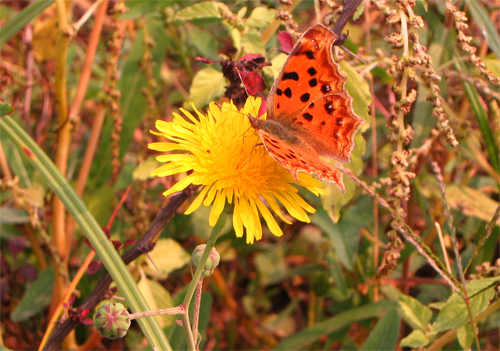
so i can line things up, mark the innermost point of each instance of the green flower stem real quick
(186, 325)
(199, 270)
(101, 244)
(197, 276)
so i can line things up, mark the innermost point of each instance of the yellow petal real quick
(256, 220)
(276, 208)
(268, 217)
(217, 207)
(294, 210)
(198, 201)
(210, 196)
(237, 223)
(179, 186)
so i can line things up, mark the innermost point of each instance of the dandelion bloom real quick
(228, 161)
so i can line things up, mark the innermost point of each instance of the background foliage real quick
(313, 288)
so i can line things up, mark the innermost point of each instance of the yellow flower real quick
(227, 159)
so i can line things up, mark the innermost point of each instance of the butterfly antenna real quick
(352, 54)
(251, 154)
(242, 82)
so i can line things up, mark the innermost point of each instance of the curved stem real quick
(210, 244)
(197, 278)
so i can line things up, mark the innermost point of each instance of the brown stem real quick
(350, 7)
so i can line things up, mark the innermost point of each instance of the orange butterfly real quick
(309, 111)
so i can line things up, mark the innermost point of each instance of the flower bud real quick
(213, 258)
(112, 320)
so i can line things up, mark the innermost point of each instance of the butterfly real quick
(309, 112)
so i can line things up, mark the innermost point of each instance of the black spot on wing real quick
(308, 117)
(288, 92)
(313, 82)
(305, 97)
(312, 71)
(290, 75)
(329, 108)
(309, 54)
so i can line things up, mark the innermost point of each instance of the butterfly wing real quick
(328, 125)
(297, 158)
(309, 99)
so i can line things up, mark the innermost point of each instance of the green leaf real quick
(484, 124)
(478, 286)
(36, 298)
(144, 169)
(343, 235)
(271, 266)
(386, 333)
(202, 10)
(158, 298)
(454, 314)
(208, 84)
(483, 20)
(132, 80)
(465, 336)
(10, 215)
(5, 109)
(203, 41)
(359, 11)
(493, 64)
(139, 8)
(359, 90)
(471, 202)
(337, 240)
(22, 18)
(168, 255)
(309, 335)
(251, 42)
(414, 313)
(260, 17)
(415, 339)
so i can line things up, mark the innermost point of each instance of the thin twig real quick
(443, 247)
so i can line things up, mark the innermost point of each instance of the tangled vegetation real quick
(406, 258)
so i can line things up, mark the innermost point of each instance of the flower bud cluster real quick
(113, 94)
(112, 320)
(212, 262)
(485, 269)
(286, 17)
(429, 76)
(402, 134)
(461, 25)
(234, 19)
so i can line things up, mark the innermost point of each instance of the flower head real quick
(227, 159)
